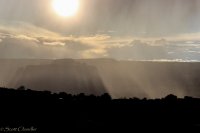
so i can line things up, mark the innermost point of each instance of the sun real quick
(66, 8)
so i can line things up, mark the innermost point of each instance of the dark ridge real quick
(43, 111)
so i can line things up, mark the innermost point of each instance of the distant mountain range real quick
(97, 76)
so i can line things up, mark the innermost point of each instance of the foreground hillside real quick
(46, 111)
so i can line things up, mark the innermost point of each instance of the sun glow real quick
(65, 8)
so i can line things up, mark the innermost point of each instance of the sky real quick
(158, 30)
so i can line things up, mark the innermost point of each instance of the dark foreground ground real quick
(34, 111)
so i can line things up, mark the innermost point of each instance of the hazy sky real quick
(121, 29)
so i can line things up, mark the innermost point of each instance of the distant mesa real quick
(96, 76)
(61, 75)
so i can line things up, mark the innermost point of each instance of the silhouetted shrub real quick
(21, 88)
(171, 97)
(106, 96)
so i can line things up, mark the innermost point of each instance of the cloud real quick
(17, 43)
(15, 48)
(101, 37)
(24, 37)
(160, 49)
(174, 60)
(21, 40)
(54, 43)
(186, 37)
(138, 50)
(23, 28)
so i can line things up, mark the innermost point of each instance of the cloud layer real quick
(29, 41)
